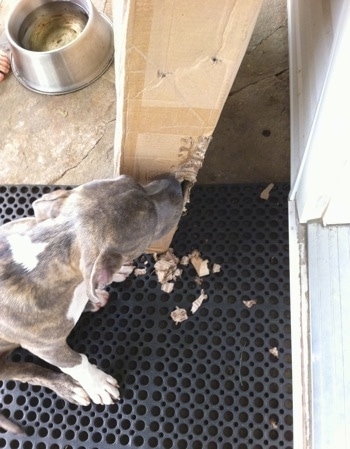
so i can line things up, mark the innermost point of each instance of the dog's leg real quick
(60, 383)
(100, 387)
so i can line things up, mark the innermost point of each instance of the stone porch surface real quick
(61, 139)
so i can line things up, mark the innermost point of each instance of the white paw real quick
(104, 389)
(101, 388)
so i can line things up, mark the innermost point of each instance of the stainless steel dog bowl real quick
(58, 46)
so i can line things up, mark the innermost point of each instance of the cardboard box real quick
(175, 62)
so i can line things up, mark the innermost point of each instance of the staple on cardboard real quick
(215, 60)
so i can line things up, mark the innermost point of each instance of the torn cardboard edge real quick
(191, 154)
(191, 158)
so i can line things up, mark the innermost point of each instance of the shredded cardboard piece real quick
(167, 270)
(179, 315)
(274, 352)
(198, 280)
(178, 273)
(216, 268)
(127, 268)
(123, 273)
(198, 302)
(200, 265)
(168, 287)
(185, 260)
(140, 271)
(166, 267)
(273, 423)
(250, 303)
(265, 194)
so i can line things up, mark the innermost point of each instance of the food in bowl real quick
(52, 25)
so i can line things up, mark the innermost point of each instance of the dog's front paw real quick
(104, 389)
(101, 388)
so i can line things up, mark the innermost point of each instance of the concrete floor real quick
(251, 141)
(70, 137)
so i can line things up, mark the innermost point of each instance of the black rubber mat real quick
(222, 379)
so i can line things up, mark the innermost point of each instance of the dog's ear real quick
(50, 204)
(166, 195)
(107, 263)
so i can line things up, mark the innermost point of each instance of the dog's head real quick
(115, 220)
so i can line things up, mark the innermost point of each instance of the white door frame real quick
(322, 174)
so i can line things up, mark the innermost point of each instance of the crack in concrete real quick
(263, 78)
(54, 181)
(281, 72)
(106, 124)
(234, 92)
(25, 159)
(251, 50)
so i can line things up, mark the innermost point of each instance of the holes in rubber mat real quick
(210, 382)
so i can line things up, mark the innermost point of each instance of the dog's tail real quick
(9, 426)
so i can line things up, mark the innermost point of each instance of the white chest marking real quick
(78, 303)
(24, 251)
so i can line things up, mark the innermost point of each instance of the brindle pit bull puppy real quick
(54, 266)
